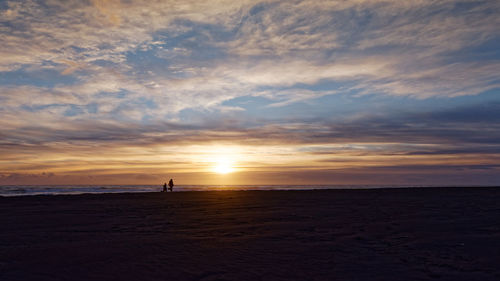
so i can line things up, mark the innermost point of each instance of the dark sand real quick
(398, 234)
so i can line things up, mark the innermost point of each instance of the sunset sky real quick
(250, 92)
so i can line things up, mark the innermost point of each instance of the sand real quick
(391, 234)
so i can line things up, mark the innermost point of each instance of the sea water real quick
(20, 190)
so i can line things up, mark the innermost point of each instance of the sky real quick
(347, 92)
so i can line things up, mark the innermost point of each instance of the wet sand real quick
(391, 234)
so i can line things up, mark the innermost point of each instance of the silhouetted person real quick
(171, 185)
(164, 187)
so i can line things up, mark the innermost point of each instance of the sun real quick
(223, 166)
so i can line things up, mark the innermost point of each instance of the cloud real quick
(110, 9)
(268, 43)
(72, 67)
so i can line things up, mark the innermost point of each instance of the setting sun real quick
(223, 166)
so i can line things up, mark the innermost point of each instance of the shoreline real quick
(223, 189)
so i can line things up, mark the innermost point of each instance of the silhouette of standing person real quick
(164, 187)
(171, 185)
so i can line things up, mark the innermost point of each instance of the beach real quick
(376, 234)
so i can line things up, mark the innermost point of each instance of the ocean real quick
(22, 190)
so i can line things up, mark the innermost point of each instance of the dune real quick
(384, 234)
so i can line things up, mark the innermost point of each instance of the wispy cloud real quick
(110, 9)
